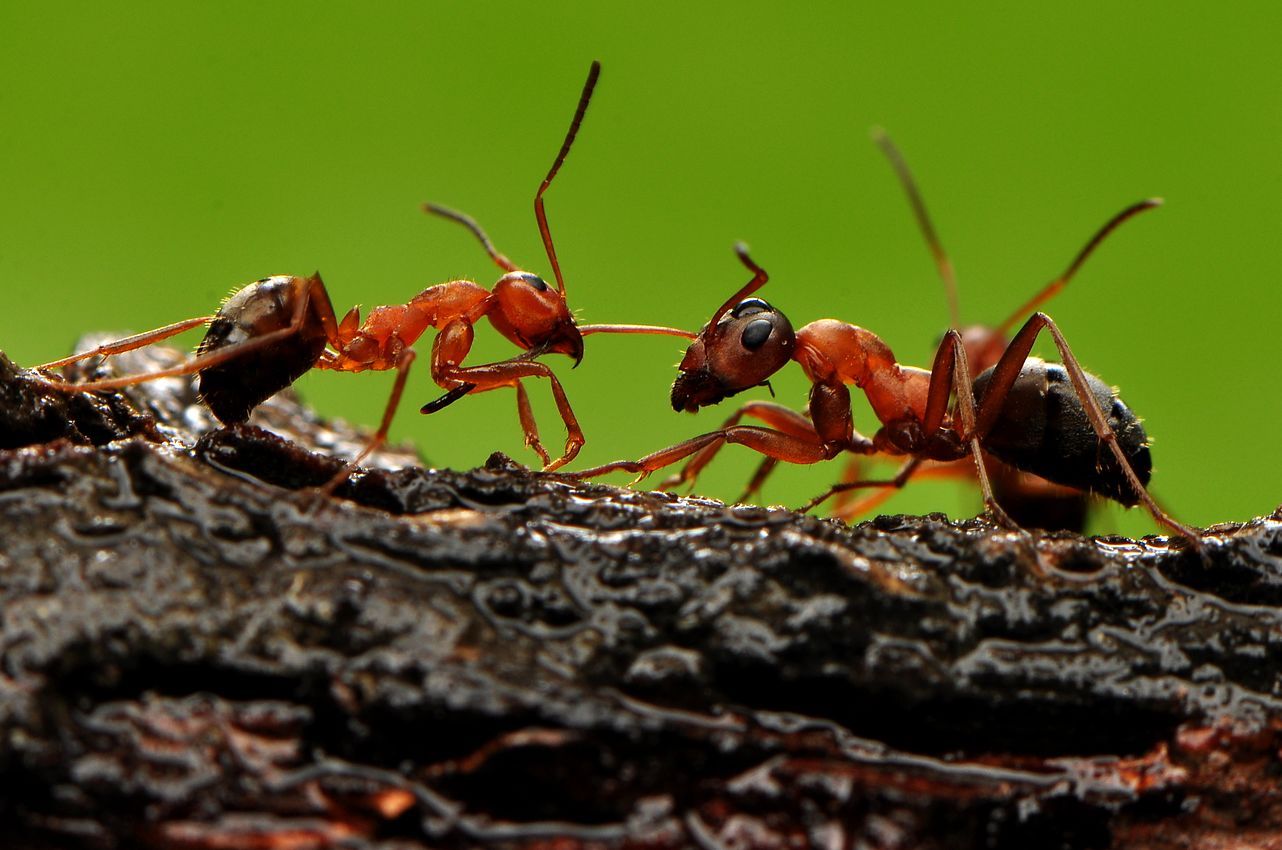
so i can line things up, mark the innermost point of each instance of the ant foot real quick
(994, 513)
(814, 503)
(52, 381)
(1193, 537)
(645, 473)
(572, 447)
(616, 466)
(537, 448)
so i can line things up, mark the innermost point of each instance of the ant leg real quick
(528, 424)
(853, 472)
(313, 293)
(764, 469)
(848, 509)
(509, 373)
(131, 343)
(447, 399)
(773, 415)
(452, 345)
(771, 443)
(1008, 369)
(523, 412)
(892, 484)
(403, 363)
(951, 371)
(847, 506)
(830, 431)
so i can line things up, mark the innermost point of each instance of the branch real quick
(200, 652)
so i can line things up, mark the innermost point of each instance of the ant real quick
(1031, 500)
(264, 337)
(1055, 421)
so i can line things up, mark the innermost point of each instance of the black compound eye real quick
(749, 307)
(535, 281)
(756, 334)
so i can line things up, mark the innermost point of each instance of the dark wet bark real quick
(199, 654)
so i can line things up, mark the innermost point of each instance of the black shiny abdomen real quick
(1043, 429)
(233, 389)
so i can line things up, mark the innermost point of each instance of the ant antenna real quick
(759, 279)
(593, 73)
(741, 251)
(942, 263)
(1060, 282)
(470, 223)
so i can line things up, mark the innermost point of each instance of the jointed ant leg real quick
(853, 471)
(757, 481)
(849, 509)
(528, 424)
(769, 442)
(439, 404)
(901, 477)
(574, 439)
(773, 415)
(131, 343)
(950, 376)
(403, 364)
(1003, 378)
(451, 346)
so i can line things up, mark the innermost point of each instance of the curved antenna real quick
(759, 279)
(470, 223)
(942, 263)
(1050, 289)
(579, 112)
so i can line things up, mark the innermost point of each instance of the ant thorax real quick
(832, 351)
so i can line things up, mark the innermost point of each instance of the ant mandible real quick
(268, 334)
(1031, 500)
(1044, 418)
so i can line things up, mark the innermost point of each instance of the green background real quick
(154, 156)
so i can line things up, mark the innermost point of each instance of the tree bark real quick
(201, 652)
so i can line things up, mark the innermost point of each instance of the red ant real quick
(1045, 418)
(1031, 500)
(269, 333)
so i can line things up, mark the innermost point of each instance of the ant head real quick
(534, 315)
(528, 311)
(745, 343)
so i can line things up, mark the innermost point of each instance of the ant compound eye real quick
(535, 281)
(749, 307)
(756, 334)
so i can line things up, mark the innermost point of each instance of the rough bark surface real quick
(200, 652)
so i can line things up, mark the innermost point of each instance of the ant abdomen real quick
(1043, 428)
(234, 388)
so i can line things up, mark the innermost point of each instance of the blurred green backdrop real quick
(155, 156)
